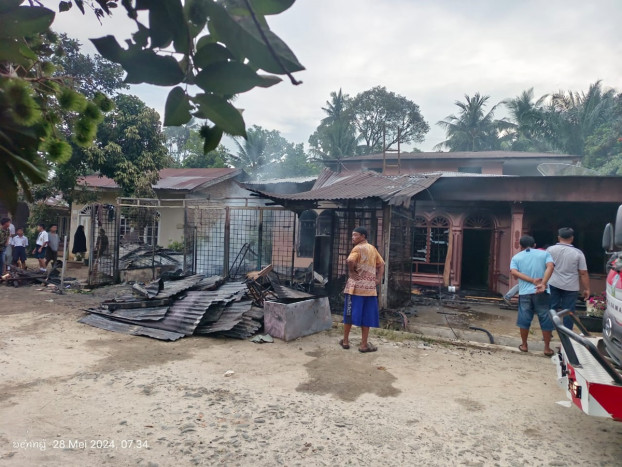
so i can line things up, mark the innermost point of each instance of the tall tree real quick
(90, 76)
(335, 137)
(572, 117)
(293, 163)
(266, 154)
(197, 158)
(175, 50)
(526, 130)
(383, 115)
(40, 111)
(130, 146)
(473, 129)
(603, 148)
(176, 138)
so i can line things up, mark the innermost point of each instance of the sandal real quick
(523, 349)
(550, 353)
(370, 348)
(344, 346)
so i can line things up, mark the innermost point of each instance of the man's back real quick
(568, 261)
(531, 262)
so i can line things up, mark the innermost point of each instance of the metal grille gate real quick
(231, 241)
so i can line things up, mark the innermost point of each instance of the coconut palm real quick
(472, 129)
(335, 137)
(252, 152)
(526, 132)
(572, 117)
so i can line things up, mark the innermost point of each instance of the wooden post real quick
(260, 238)
(227, 243)
(383, 298)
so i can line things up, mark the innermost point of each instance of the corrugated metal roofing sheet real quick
(464, 155)
(395, 190)
(102, 322)
(172, 179)
(188, 309)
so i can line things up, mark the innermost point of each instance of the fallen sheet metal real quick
(180, 309)
(102, 322)
(287, 293)
(229, 317)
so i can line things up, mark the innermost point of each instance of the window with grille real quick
(430, 242)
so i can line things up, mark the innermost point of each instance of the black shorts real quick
(50, 255)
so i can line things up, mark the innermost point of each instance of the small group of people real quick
(46, 246)
(548, 279)
(14, 245)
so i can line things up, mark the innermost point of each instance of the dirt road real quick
(75, 395)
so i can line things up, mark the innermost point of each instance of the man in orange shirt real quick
(365, 271)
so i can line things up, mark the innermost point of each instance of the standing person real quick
(365, 271)
(533, 269)
(79, 242)
(101, 244)
(5, 237)
(570, 273)
(20, 243)
(41, 246)
(8, 250)
(51, 253)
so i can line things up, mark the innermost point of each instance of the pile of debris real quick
(170, 310)
(18, 277)
(134, 256)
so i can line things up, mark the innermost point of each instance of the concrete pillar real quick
(456, 253)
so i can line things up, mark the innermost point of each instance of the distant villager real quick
(79, 242)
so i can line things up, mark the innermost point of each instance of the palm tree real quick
(526, 132)
(251, 154)
(572, 117)
(335, 137)
(472, 129)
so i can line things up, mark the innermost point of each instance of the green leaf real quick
(242, 37)
(145, 66)
(231, 78)
(7, 5)
(211, 137)
(109, 48)
(210, 52)
(161, 34)
(64, 6)
(80, 5)
(222, 113)
(167, 24)
(177, 108)
(25, 21)
(141, 37)
(11, 52)
(270, 7)
(197, 13)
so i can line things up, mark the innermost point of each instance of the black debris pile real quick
(17, 277)
(265, 285)
(133, 256)
(172, 309)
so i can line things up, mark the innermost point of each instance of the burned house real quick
(447, 229)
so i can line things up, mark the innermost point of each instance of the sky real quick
(431, 52)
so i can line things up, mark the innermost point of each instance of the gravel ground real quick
(72, 395)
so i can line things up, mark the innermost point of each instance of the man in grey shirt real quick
(569, 276)
(51, 254)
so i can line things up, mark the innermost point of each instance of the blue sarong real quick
(361, 311)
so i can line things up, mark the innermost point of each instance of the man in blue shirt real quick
(533, 269)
